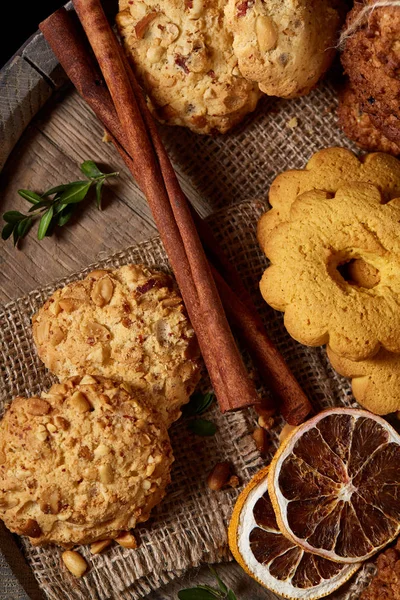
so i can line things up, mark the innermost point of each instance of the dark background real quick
(19, 20)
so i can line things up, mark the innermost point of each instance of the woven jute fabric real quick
(189, 527)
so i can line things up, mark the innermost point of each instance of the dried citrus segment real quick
(335, 485)
(274, 560)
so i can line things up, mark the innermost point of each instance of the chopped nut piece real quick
(219, 476)
(234, 481)
(142, 25)
(31, 529)
(74, 562)
(127, 540)
(61, 423)
(51, 428)
(266, 422)
(80, 402)
(106, 474)
(99, 546)
(88, 380)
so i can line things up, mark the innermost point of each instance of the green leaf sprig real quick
(206, 592)
(56, 206)
(197, 405)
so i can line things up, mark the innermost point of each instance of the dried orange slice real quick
(335, 484)
(273, 560)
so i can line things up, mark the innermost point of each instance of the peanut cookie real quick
(284, 46)
(375, 382)
(366, 130)
(81, 463)
(328, 170)
(305, 279)
(371, 58)
(130, 325)
(183, 55)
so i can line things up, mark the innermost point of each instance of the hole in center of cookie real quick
(357, 272)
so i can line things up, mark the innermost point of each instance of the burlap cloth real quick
(189, 527)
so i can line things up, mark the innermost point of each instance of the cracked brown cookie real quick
(182, 53)
(81, 462)
(284, 46)
(129, 324)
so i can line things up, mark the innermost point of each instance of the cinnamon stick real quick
(224, 363)
(72, 52)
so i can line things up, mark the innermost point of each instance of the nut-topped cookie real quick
(308, 254)
(284, 46)
(182, 53)
(129, 324)
(81, 462)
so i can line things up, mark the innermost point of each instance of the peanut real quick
(99, 546)
(106, 474)
(74, 562)
(97, 274)
(57, 335)
(267, 34)
(261, 439)
(61, 423)
(42, 331)
(219, 476)
(37, 407)
(97, 331)
(88, 380)
(102, 291)
(127, 540)
(67, 305)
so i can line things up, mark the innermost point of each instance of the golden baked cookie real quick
(284, 46)
(182, 53)
(375, 382)
(307, 254)
(129, 324)
(328, 170)
(81, 463)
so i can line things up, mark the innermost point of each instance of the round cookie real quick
(304, 279)
(284, 46)
(375, 382)
(366, 130)
(129, 324)
(371, 58)
(328, 170)
(182, 53)
(81, 463)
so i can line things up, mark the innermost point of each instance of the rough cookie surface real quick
(386, 583)
(328, 170)
(365, 129)
(182, 54)
(81, 463)
(375, 382)
(305, 282)
(130, 325)
(284, 46)
(371, 58)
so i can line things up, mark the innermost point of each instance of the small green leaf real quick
(7, 231)
(41, 204)
(75, 193)
(202, 427)
(196, 594)
(231, 595)
(198, 404)
(221, 585)
(65, 215)
(44, 223)
(99, 186)
(90, 169)
(13, 216)
(61, 188)
(24, 226)
(30, 196)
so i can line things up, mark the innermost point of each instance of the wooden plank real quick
(23, 91)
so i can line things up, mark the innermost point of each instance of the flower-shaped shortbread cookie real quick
(375, 382)
(307, 255)
(328, 170)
